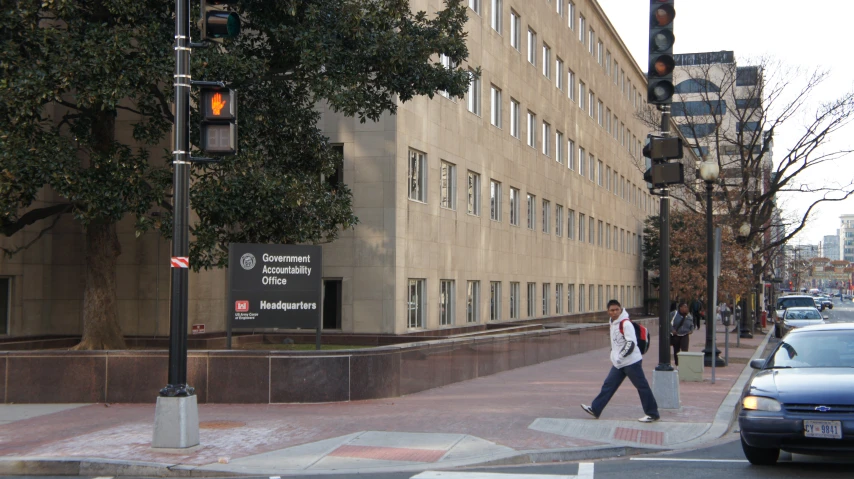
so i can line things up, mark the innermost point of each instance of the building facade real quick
(830, 247)
(523, 200)
(846, 237)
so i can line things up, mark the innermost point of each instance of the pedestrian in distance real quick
(626, 360)
(681, 327)
(696, 306)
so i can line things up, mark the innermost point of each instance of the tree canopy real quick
(74, 72)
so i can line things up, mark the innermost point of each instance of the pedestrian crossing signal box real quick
(218, 107)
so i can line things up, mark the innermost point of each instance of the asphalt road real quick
(841, 312)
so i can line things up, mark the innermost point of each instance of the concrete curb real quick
(65, 466)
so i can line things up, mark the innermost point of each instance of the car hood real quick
(806, 385)
(800, 323)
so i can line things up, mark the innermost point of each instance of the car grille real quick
(811, 408)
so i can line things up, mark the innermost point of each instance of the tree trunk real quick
(100, 312)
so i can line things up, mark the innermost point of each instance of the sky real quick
(781, 29)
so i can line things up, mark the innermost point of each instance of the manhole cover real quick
(220, 424)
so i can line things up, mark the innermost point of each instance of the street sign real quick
(274, 286)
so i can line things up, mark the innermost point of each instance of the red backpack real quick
(641, 332)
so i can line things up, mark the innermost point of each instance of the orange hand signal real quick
(217, 104)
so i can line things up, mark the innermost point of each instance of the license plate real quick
(823, 429)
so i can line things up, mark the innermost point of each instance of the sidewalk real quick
(530, 414)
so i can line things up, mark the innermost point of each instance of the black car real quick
(802, 399)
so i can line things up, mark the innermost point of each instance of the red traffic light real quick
(663, 66)
(662, 15)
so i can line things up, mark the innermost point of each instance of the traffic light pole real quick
(176, 422)
(665, 379)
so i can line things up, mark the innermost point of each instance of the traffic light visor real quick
(222, 24)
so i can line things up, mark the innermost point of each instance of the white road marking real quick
(585, 471)
(674, 459)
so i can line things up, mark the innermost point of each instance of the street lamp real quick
(709, 172)
(744, 331)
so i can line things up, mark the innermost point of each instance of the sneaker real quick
(648, 418)
(589, 410)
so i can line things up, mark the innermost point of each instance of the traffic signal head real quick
(218, 107)
(218, 21)
(661, 63)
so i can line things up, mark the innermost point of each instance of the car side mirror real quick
(757, 363)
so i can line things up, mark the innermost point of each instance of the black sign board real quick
(274, 286)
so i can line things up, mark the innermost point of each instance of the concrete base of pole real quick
(176, 423)
(665, 388)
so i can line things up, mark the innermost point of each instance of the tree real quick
(688, 260)
(732, 115)
(72, 69)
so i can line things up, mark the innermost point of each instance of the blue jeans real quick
(615, 377)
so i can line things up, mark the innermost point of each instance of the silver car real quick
(798, 317)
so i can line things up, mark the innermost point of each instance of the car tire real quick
(760, 456)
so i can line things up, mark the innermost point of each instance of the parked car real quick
(802, 398)
(797, 317)
(796, 300)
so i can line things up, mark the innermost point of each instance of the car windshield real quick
(815, 349)
(803, 314)
(784, 303)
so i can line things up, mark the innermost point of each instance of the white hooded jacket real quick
(618, 342)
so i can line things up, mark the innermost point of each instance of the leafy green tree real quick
(72, 70)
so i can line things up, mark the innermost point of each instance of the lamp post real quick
(709, 172)
(747, 311)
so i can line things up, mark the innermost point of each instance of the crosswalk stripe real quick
(585, 471)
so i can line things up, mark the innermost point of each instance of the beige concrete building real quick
(523, 200)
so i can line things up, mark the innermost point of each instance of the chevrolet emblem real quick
(822, 408)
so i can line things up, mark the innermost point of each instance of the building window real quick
(616, 70)
(591, 41)
(600, 52)
(531, 211)
(547, 61)
(591, 103)
(592, 170)
(546, 216)
(600, 233)
(571, 16)
(582, 28)
(514, 206)
(450, 65)
(581, 221)
(608, 63)
(570, 298)
(446, 302)
(473, 97)
(532, 299)
(558, 220)
(532, 47)
(582, 92)
(494, 300)
(608, 120)
(475, 5)
(417, 176)
(416, 303)
(559, 73)
(494, 200)
(559, 6)
(591, 297)
(580, 298)
(570, 224)
(546, 295)
(514, 118)
(616, 237)
(600, 113)
(515, 297)
(515, 30)
(473, 191)
(547, 134)
(601, 302)
(532, 130)
(559, 147)
(448, 185)
(559, 298)
(599, 173)
(608, 239)
(496, 15)
(591, 232)
(495, 105)
(570, 152)
(473, 301)
(570, 84)
(582, 157)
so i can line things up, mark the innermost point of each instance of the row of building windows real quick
(590, 298)
(623, 240)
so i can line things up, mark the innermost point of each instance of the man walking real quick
(626, 359)
(681, 327)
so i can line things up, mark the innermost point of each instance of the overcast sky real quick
(815, 34)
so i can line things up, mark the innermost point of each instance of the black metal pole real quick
(664, 266)
(181, 208)
(711, 352)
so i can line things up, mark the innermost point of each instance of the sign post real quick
(274, 286)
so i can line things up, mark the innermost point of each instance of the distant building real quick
(846, 237)
(830, 247)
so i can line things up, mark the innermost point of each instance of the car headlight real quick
(759, 403)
